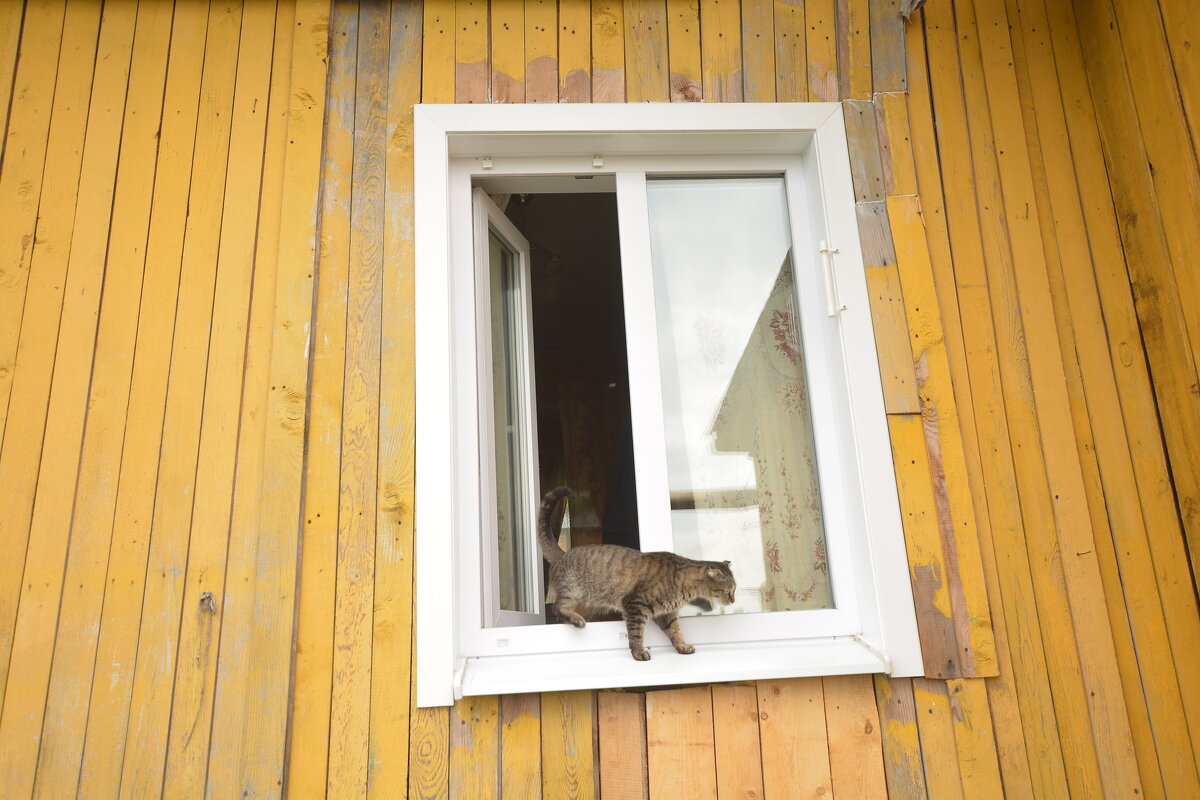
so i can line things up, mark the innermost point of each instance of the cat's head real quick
(719, 583)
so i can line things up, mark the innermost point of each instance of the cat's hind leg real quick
(669, 622)
(568, 610)
(636, 614)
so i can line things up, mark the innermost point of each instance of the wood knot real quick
(207, 603)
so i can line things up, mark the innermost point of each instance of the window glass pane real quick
(741, 461)
(514, 530)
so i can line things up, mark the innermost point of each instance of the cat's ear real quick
(726, 563)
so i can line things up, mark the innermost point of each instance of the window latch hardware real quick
(597, 161)
(833, 308)
(487, 162)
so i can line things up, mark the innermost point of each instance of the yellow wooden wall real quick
(206, 397)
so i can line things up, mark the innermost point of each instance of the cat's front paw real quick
(641, 655)
(684, 649)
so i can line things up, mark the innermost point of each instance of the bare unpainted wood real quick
(622, 739)
(855, 743)
(680, 745)
(891, 124)
(568, 756)
(738, 747)
(795, 750)
(866, 165)
(887, 46)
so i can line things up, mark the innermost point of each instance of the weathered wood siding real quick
(206, 397)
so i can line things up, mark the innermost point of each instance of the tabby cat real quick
(608, 577)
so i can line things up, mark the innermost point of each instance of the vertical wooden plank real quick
(974, 740)
(470, 51)
(795, 751)
(854, 49)
(1168, 326)
(350, 707)
(10, 36)
(1136, 615)
(738, 749)
(943, 440)
(508, 51)
(1110, 725)
(608, 51)
(820, 18)
(866, 166)
(646, 77)
(887, 310)
(887, 46)
(891, 118)
(309, 744)
(437, 51)
(902, 765)
(1126, 339)
(429, 753)
(791, 52)
(964, 283)
(938, 751)
(758, 51)
(683, 36)
(622, 734)
(855, 741)
(475, 749)
(721, 50)
(31, 130)
(162, 603)
(574, 51)
(1171, 160)
(66, 699)
(568, 758)
(195, 673)
(116, 649)
(520, 745)
(1182, 28)
(29, 364)
(679, 739)
(391, 650)
(1003, 695)
(251, 706)
(541, 51)
(30, 636)
(927, 568)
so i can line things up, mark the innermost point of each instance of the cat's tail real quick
(548, 539)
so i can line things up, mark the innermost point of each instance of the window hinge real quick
(831, 303)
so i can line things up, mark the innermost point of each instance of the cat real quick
(608, 577)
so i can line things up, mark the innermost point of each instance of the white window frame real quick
(873, 628)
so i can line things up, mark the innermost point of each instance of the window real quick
(668, 305)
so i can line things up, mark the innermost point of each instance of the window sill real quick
(604, 669)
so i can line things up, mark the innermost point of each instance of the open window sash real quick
(509, 490)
